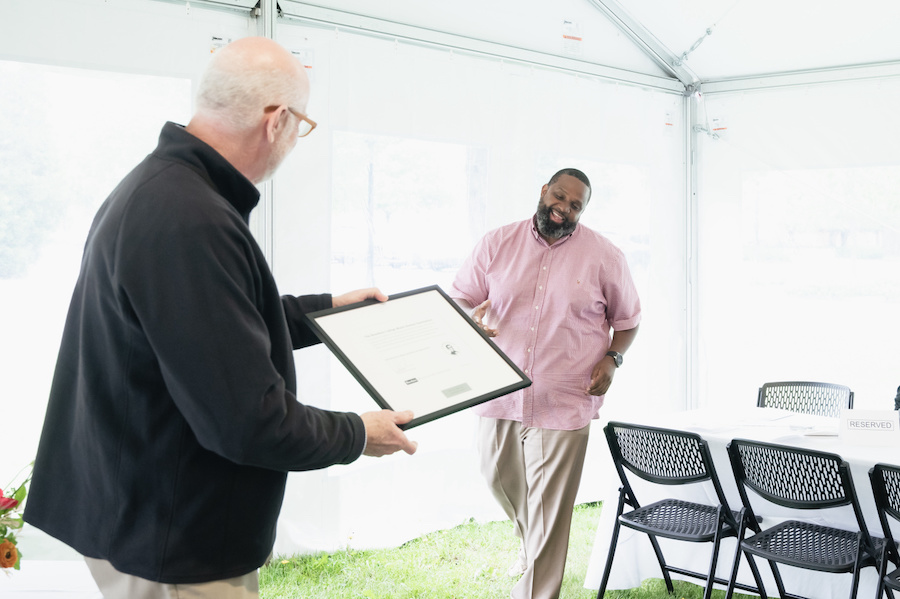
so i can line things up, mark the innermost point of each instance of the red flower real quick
(8, 555)
(7, 503)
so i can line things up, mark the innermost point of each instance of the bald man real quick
(173, 419)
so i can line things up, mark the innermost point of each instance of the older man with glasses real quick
(173, 419)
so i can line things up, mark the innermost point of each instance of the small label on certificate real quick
(418, 351)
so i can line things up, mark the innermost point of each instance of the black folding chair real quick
(800, 479)
(886, 489)
(670, 457)
(822, 399)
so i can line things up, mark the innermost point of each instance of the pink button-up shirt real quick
(553, 307)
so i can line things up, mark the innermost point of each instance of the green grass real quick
(466, 562)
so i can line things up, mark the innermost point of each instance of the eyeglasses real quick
(306, 123)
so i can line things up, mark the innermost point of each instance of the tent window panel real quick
(799, 251)
(67, 137)
(400, 210)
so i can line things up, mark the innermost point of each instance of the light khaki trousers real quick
(117, 585)
(534, 474)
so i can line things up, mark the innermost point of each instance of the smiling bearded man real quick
(550, 290)
(555, 223)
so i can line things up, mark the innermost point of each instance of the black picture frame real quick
(357, 348)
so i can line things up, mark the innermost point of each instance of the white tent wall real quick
(799, 221)
(128, 36)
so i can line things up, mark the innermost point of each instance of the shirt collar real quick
(175, 143)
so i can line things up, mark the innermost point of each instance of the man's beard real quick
(548, 228)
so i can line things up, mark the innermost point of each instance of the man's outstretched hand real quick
(352, 297)
(383, 436)
(479, 314)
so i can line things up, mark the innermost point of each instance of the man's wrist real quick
(616, 356)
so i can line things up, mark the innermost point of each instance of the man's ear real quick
(274, 122)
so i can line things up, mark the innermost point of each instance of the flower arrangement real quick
(10, 522)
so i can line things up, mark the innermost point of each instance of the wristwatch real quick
(616, 356)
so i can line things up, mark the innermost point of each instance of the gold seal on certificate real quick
(418, 351)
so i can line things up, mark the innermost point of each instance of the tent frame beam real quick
(646, 41)
(239, 6)
(319, 16)
(879, 70)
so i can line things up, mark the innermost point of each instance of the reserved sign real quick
(871, 427)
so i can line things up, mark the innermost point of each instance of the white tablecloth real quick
(634, 559)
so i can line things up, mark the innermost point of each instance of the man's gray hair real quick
(236, 89)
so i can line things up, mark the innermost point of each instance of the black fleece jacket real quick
(172, 420)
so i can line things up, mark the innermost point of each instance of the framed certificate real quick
(418, 351)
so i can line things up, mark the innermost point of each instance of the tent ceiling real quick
(748, 37)
(529, 25)
(755, 37)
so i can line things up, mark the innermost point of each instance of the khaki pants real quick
(534, 474)
(116, 585)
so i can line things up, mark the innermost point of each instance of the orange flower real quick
(9, 555)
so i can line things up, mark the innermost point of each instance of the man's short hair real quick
(572, 172)
(237, 89)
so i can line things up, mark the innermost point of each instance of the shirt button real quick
(537, 307)
(526, 371)
(529, 350)
(540, 286)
